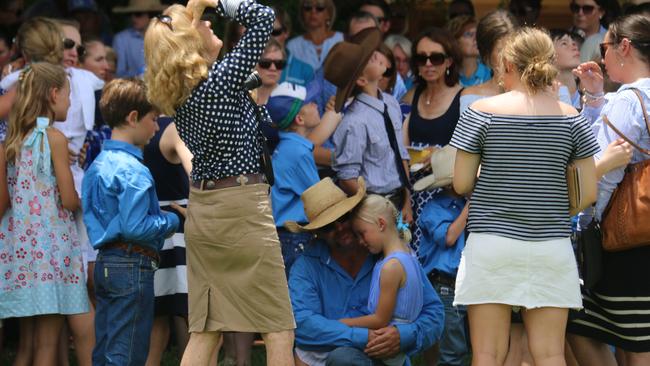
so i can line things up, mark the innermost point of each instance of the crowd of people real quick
(371, 198)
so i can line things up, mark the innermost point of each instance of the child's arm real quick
(174, 150)
(457, 227)
(327, 126)
(392, 277)
(4, 190)
(61, 163)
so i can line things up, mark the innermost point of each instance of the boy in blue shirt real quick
(294, 168)
(124, 221)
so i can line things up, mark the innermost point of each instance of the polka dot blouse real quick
(218, 122)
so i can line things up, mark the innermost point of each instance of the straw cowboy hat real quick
(442, 168)
(138, 6)
(346, 61)
(324, 203)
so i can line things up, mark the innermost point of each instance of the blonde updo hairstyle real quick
(176, 59)
(532, 53)
(41, 40)
(375, 206)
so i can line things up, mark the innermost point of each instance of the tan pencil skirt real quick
(235, 272)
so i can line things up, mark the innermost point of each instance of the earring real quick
(447, 72)
(622, 64)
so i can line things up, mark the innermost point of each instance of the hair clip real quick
(23, 73)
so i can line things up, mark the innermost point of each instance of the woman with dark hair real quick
(590, 20)
(317, 18)
(472, 70)
(616, 310)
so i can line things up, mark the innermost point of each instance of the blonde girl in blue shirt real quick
(40, 259)
(396, 290)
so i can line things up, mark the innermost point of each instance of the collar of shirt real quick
(446, 200)
(123, 146)
(292, 136)
(374, 103)
(135, 33)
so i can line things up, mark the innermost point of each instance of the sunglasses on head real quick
(69, 44)
(318, 8)
(165, 19)
(278, 31)
(586, 9)
(266, 63)
(436, 59)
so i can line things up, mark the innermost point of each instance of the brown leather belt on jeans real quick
(441, 278)
(240, 180)
(130, 248)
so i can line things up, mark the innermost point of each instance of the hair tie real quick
(401, 225)
(23, 73)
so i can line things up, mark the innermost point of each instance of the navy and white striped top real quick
(521, 192)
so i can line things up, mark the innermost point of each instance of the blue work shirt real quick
(129, 48)
(481, 75)
(294, 170)
(434, 221)
(323, 292)
(119, 200)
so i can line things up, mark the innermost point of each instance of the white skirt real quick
(530, 274)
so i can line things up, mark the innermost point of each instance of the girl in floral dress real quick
(41, 269)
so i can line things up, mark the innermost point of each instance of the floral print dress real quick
(41, 268)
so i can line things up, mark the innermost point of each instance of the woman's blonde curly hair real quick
(176, 59)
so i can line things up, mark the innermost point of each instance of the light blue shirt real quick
(119, 200)
(297, 72)
(129, 47)
(294, 170)
(434, 221)
(304, 50)
(323, 292)
(481, 75)
(361, 145)
(623, 110)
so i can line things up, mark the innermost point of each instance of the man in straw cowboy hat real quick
(331, 281)
(129, 43)
(443, 221)
(368, 142)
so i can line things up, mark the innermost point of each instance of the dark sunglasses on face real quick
(436, 59)
(586, 9)
(69, 44)
(331, 226)
(266, 64)
(318, 8)
(278, 31)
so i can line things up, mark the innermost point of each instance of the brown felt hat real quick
(324, 203)
(346, 61)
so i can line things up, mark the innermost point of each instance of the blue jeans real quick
(349, 356)
(293, 244)
(454, 341)
(125, 310)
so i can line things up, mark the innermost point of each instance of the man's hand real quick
(407, 212)
(383, 343)
(182, 210)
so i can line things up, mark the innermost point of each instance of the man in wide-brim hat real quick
(331, 280)
(129, 43)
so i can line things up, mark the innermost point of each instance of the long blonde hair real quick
(375, 206)
(176, 59)
(41, 39)
(32, 101)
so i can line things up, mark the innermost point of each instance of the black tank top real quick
(436, 131)
(172, 183)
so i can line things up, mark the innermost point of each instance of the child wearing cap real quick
(294, 168)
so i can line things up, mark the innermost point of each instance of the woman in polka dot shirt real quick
(235, 273)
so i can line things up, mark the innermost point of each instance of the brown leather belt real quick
(129, 248)
(442, 278)
(240, 180)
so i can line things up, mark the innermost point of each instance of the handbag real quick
(625, 220)
(590, 254)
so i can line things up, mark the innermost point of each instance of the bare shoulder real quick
(56, 137)
(392, 266)
(493, 104)
(567, 109)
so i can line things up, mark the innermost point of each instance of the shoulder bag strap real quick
(645, 118)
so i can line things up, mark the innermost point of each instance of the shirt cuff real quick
(230, 7)
(406, 336)
(347, 173)
(359, 338)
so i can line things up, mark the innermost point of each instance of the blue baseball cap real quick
(286, 101)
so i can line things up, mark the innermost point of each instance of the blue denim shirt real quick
(129, 47)
(119, 200)
(434, 222)
(323, 292)
(294, 170)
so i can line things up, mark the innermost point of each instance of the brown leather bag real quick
(625, 221)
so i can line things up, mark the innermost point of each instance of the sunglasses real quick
(165, 19)
(603, 48)
(277, 32)
(586, 9)
(332, 225)
(319, 8)
(69, 44)
(436, 59)
(266, 63)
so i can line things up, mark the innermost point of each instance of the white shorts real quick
(529, 274)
